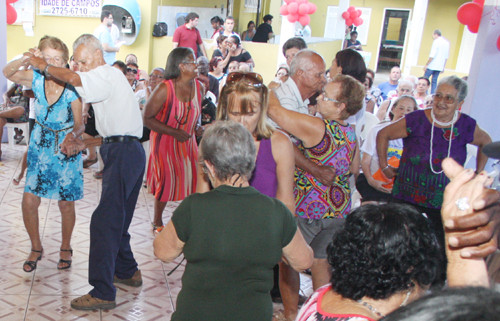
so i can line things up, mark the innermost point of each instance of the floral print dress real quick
(51, 174)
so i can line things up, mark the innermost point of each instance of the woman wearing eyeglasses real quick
(171, 113)
(330, 141)
(429, 136)
(244, 99)
(53, 171)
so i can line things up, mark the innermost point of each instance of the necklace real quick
(435, 121)
(371, 308)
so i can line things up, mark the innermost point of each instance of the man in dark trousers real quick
(264, 31)
(119, 121)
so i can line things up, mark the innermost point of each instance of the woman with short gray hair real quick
(429, 136)
(231, 236)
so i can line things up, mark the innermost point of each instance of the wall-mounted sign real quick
(70, 8)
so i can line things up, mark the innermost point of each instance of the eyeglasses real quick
(190, 62)
(330, 99)
(132, 70)
(448, 99)
(252, 78)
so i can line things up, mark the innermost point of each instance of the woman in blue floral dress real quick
(51, 173)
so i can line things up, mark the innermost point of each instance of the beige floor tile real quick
(57, 307)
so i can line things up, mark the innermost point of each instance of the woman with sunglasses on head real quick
(330, 141)
(429, 136)
(171, 113)
(244, 99)
(53, 171)
(231, 236)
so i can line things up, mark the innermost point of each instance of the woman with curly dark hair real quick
(385, 256)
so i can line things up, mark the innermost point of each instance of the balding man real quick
(307, 77)
(118, 119)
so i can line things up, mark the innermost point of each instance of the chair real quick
(11, 133)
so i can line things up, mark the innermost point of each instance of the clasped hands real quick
(473, 228)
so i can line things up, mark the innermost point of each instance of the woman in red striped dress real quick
(172, 113)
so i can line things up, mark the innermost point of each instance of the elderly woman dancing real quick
(231, 236)
(51, 173)
(429, 136)
(171, 113)
(330, 141)
(244, 99)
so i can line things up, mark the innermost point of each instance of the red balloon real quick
(479, 2)
(299, 2)
(498, 43)
(304, 20)
(359, 12)
(358, 22)
(303, 9)
(351, 9)
(473, 28)
(289, 1)
(293, 8)
(284, 10)
(346, 15)
(11, 1)
(469, 13)
(348, 22)
(312, 8)
(11, 14)
(292, 18)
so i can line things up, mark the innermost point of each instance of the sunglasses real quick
(251, 78)
(132, 70)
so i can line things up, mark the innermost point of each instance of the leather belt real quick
(119, 139)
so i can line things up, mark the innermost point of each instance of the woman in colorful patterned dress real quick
(171, 113)
(51, 173)
(420, 180)
(330, 141)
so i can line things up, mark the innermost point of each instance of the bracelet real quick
(46, 70)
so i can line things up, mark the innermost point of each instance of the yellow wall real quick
(442, 15)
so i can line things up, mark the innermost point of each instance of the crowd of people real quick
(265, 173)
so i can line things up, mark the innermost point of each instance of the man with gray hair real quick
(307, 77)
(440, 52)
(118, 119)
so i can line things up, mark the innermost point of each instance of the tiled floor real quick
(46, 293)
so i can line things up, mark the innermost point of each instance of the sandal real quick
(32, 264)
(16, 180)
(68, 262)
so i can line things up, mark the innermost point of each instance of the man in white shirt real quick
(307, 77)
(440, 52)
(118, 119)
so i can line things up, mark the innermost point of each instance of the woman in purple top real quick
(244, 100)
(429, 136)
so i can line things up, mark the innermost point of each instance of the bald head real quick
(308, 72)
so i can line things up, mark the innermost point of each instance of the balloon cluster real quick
(470, 14)
(298, 10)
(11, 12)
(352, 16)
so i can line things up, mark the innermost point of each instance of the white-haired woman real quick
(231, 236)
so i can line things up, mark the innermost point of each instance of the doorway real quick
(393, 37)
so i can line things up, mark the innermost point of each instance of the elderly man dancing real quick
(119, 121)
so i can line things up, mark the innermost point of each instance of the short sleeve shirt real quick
(188, 38)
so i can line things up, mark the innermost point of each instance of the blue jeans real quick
(435, 75)
(110, 252)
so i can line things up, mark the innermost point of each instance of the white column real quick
(416, 31)
(482, 100)
(3, 49)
